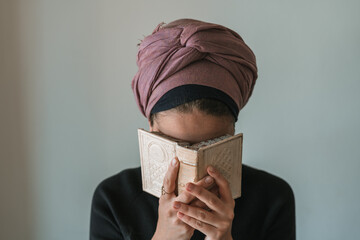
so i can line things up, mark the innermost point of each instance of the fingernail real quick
(189, 186)
(174, 162)
(212, 169)
(180, 214)
(209, 180)
(176, 205)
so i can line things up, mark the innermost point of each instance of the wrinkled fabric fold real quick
(189, 51)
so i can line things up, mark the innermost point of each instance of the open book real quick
(157, 150)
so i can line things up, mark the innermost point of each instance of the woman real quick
(194, 77)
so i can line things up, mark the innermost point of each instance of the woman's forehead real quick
(193, 127)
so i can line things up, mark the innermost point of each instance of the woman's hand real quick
(169, 226)
(187, 198)
(215, 224)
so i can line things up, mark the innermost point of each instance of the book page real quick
(197, 146)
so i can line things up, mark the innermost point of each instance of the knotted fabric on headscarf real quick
(188, 51)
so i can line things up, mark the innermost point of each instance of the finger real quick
(205, 228)
(185, 197)
(210, 199)
(197, 203)
(170, 178)
(197, 213)
(215, 191)
(224, 186)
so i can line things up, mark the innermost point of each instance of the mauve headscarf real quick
(189, 51)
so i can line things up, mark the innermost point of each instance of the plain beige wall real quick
(15, 196)
(69, 118)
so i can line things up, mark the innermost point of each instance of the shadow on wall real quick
(14, 169)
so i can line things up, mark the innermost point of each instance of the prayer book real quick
(157, 150)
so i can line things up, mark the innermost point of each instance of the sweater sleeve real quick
(102, 222)
(281, 221)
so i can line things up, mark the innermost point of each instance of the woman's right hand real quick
(169, 226)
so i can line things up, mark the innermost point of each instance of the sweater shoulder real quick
(130, 176)
(260, 181)
(121, 186)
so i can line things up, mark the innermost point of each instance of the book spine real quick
(188, 167)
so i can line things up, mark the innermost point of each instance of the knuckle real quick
(201, 215)
(212, 201)
(167, 181)
(199, 224)
(231, 215)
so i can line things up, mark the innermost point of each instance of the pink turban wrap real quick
(188, 51)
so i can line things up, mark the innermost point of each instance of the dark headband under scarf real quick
(187, 93)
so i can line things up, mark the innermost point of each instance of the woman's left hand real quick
(216, 223)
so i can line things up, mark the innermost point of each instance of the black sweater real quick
(121, 210)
